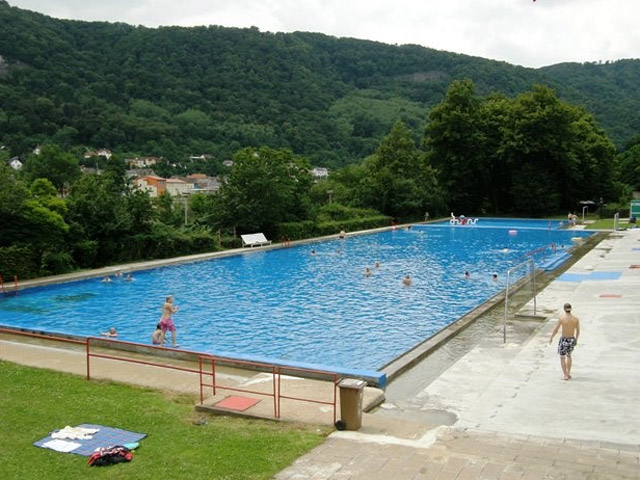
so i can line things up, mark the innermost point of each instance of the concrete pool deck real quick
(506, 412)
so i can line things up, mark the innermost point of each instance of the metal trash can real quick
(351, 393)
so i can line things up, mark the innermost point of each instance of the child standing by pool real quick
(166, 322)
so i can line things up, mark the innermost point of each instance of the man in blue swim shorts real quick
(570, 325)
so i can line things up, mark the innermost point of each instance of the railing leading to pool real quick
(531, 270)
(276, 371)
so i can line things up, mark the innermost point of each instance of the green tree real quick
(395, 176)
(265, 186)
(628, 163)
(28, 219)
(556, 154)
(456, 141)
(54, 164)
(98, 213)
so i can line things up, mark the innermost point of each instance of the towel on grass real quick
(104, 437)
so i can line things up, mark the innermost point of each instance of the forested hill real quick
(176, 91)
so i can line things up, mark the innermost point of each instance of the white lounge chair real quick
(254, 240)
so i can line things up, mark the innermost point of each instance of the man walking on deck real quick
(568, 339)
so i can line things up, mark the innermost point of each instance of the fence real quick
(202, 359)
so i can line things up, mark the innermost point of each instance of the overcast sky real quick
(523, 32)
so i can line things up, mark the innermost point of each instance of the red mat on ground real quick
(237, 403)
(634, 266)
(610, 295)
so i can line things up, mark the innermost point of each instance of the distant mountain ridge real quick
(175, 91)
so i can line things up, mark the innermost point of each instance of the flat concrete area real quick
(501, 411)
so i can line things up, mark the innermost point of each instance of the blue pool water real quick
(289, 305)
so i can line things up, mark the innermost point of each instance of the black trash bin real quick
(351, 393)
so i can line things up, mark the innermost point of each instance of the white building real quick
(320, 173)
(176, 186)
(141, 162)
(15, 163)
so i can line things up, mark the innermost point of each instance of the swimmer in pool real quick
(111, 333)
(157, 338)
(406, 281)
(367, 272)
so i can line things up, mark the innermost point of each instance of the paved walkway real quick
(508, 413)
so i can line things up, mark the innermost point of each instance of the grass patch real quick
(180, 443)
(602, 224)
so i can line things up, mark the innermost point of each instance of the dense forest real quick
(404, 129)
(172, 92)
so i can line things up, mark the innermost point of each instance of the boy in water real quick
(111, 333)
(157, 338)
(568, 340)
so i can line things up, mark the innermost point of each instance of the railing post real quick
(200, 377)
(506, 309)
(533, 285)
(213, 374)
(88, 360)
(279, 390)
(276, 399)
(335, 396)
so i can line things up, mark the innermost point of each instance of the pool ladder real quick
(15, 282)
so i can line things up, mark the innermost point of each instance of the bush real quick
(20, 261)
(337, 212)
(85, 253)
(295, 230)
(55, 263)
(228, 242)
(331, 228)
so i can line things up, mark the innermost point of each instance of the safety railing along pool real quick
(201, 373)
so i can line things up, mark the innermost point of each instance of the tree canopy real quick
(175, 92)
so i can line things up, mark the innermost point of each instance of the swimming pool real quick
(292, 306)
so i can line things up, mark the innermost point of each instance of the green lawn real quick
(181, 443)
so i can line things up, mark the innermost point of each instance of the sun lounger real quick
(254, 240)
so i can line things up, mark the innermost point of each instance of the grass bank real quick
(181, 444)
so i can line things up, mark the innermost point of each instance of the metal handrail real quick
(531, 270)
(276, 371)
(332, 375)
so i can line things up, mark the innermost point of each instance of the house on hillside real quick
(142, 162)
(228, 163)
(204, 184)
(201, 158)
(90, 170)
(140, 172)
(103, 152)
(177, 186)
(151, 184)
(320, 173)
(15, 163)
